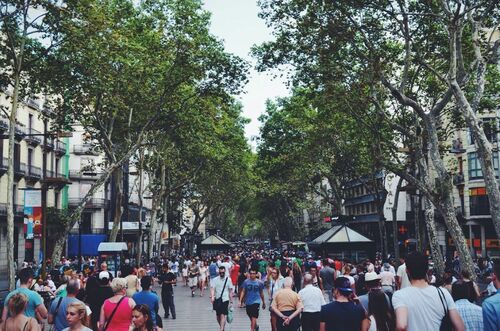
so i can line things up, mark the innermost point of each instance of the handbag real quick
(230, 315)
(218, 302)
(112, 314)
(446, 324)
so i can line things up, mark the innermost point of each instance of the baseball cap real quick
(370, 276)
(343, 284)
(104, 274)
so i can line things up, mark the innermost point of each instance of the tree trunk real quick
(118, 182)
(416, 220)
(139, 237)
(11, 273)
(444, 190)
(394, 210)
(430, 223)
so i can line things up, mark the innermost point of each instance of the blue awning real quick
(90, 243)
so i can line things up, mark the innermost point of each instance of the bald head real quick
(288, 282)
(308, 278)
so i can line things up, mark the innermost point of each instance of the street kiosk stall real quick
(112, 254)
(213, 245)
(343, 242)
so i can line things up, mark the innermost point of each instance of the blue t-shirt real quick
(212, 269)
(34, 299)
(342, 316)
(60, 319)
(150, 299)
(252, 291)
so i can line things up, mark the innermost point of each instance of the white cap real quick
(104, 274)
(369, 276)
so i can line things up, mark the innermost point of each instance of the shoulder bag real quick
(53, 327)
(113, 313)
(446, 324)
(218, 302)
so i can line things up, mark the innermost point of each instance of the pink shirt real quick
(122, 317)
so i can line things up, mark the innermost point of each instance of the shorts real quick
(223, 309)
(253, 310)
(192, 282)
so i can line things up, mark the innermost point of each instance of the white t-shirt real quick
(403, 276)
(218, 284)
(425, 310)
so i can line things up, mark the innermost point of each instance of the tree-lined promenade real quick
(376, 87)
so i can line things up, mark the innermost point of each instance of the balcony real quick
(33, 137)
(18, 210)
(60, 148)
(457, 147)
(459, 179)
(19, 170)
(19, 133)
(86, 149)
(33, 173)
(93, 203)
(4, 126)
(49, 145)
(53, 174)
(83, 175)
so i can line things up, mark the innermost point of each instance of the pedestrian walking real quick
(287, 306)
(34, 307)
(221, 296)
(343, 313)
(327, 275)
(167, 279)
(76, 317)
(372, 283)
(275, 284)
(148, 298)
(116, 312)
(141, 319)
(193, 273)
(252, 296)
(387, 279)
(316, 282)
(58, 308)
(312, 300)
(421, 306)
(471, 314)
(16, 306)
(491, 306)
(380, 312)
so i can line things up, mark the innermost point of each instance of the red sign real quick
(327, 219)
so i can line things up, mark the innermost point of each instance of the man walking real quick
(327, 275)
(57, 311)
(312, 300)
(221, 295)
(148, 298)
(421, 306)
(287, 306)
(491, 306)
(252, 295)
(167, 279)
(35, 306)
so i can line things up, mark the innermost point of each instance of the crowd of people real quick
(306, 293)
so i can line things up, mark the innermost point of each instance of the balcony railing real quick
(4, 163)
(4, 126)
(85, 149)
(94, 203)
(19, 169)
(60, 147)
(49, 144)
(77, 174)
(18, 210)
(458, 178)
(52, 174)
(33, 137)
(34, 173)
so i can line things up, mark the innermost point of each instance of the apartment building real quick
(29, 154)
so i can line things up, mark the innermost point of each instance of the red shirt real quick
(235, 271)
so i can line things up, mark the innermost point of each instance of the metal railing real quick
(85, 149)
(93, 203)
(34, 172)
(33, 136)
(60, 147)
(77, 174)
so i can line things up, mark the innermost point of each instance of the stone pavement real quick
(195, 313)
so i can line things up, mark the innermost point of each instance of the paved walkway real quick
(195, 313)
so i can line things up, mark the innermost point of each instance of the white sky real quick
(237, 24)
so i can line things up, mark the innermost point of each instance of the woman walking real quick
(141, 319)
(17, 320)
(116, 312)
(77, 318)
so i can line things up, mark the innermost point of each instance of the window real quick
(30, 122)
(30, 157)
(475, 171)
(489, 128)
(478, 200)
